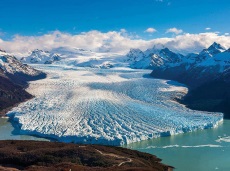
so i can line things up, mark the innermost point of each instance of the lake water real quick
(8, 132)
(204, 150)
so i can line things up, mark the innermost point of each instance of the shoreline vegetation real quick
(212, 97)
(40, 156)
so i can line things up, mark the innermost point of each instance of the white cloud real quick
(226, 34)
(208, 28)
(123, 30)
(174, 30)
(112, 40)
(150, 30)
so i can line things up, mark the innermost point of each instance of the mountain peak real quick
(165, 50)
(214, 49)
(135, 55)
(135, 50)
(216, 46)
(37, 51)
(41, 57)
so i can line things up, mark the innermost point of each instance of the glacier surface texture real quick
(106, 106)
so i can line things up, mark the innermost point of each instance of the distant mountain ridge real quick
(207, 74)
(41, 57)
(209, 64)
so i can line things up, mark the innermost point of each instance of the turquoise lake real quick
(8, 132)
(203, 150)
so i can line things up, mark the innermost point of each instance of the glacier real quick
(113, 106)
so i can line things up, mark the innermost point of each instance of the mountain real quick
(41, 57)
(16, 71)
(13, 79)
(213, 96)
(135, 55)
(214, 49)
(207, 74)
(10, 94)
(152, 58)
(202, 67)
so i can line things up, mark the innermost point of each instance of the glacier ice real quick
(106, 106)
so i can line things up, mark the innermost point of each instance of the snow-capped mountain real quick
(214, 49)
(13, 76)
(41, 57)
(135, 55)
(202, 67)
(152, 58)
(16, 71)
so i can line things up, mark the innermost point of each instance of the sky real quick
(143, 20)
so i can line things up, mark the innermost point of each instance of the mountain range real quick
(207, 74)
(41, 57)
(209, 64)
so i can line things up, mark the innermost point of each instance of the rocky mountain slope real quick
(10, 94)
(13, 78)
(206, 73)
(16, 71)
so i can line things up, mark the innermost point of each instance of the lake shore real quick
(38, 155)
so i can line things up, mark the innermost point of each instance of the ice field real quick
(106, 106)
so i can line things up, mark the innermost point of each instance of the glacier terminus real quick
(113, 106)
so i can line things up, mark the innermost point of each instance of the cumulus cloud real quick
(150, 30)
(112, 41)
(92, 40)
(174, 30)
(187, 43)
(208, 28)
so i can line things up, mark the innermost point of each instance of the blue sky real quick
(37, 17)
